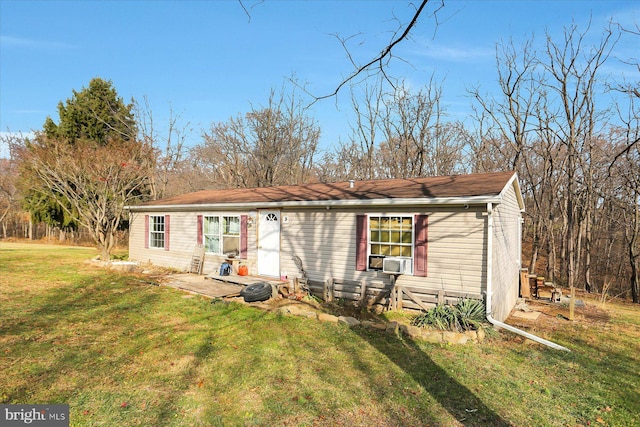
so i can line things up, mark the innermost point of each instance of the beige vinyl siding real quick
(323, 239)
(456, 252)
(136, 236)
(506, 255)
(252, 244)
(183, 240)
(325, 242)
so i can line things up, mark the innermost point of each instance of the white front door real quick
(269, 243)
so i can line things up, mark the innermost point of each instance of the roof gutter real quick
(490, 291)
(435, 201)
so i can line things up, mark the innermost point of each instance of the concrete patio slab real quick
(213, 286)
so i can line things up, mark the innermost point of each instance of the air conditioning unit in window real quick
(393, 265)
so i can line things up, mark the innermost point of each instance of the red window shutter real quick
(166, 232)
(361, 243)
(243, 236)
(146, 231)
(420, 249)
(199, 230)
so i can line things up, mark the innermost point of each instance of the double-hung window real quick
(403, 236)
(156, 231)
(221, 234)
(391, 236)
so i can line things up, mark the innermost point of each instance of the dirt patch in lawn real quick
(555, 316)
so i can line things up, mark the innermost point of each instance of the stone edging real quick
(395, 328)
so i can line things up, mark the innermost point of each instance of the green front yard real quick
(121, 351)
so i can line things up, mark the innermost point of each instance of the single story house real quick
(459, 234)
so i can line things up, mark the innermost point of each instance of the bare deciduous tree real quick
(170, 149)
(572, 69)
(364, 133)
(547, 122)
(271, 145)
(9, 204)
(623, 170)
(93, 181)
(417, 140)
(401, 134)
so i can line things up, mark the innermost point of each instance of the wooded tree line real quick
(569, 130)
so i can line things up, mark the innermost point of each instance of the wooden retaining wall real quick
(393, 296)
(366, 293)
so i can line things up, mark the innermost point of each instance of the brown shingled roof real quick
(486, 184)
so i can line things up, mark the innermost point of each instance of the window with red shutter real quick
(401, 236)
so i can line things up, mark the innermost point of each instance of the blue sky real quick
(208, 60)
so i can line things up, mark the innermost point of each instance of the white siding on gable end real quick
(136, 236)
(506, 254)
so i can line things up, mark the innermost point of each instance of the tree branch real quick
(384, 54)
(246, 11)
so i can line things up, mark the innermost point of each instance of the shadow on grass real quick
(460, 402)
(73, 325)
(611, 365)
(83, 341)
(59, 330)
(398, 403)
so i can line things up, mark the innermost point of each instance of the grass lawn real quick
(123, 352)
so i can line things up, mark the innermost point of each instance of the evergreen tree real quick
(96, 114)
(86, 168)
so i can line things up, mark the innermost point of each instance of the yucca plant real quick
(467, 314)
(470, 313)
(440, 317)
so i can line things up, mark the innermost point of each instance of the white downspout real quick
(489, 290)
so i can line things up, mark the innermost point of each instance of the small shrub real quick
(467, 315)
